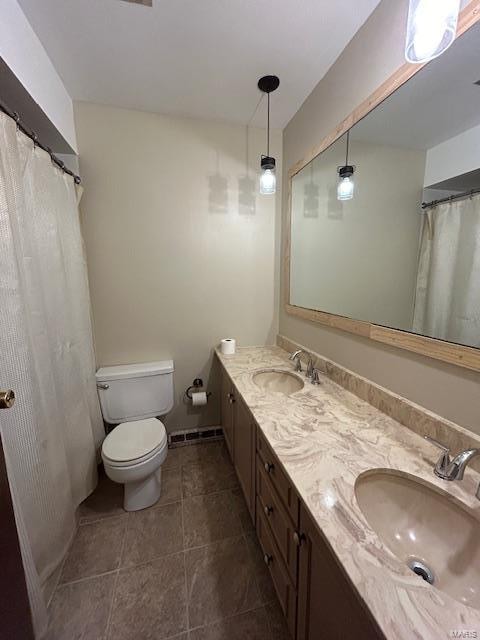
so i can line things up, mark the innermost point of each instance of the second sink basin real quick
(278, 380)
(425, 528)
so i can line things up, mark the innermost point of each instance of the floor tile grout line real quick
(86, 578)
(212, 542)
(60, 572)
(185, 570)
(230, 617)
(115, 582)
(110, 608)
(101, 519)
(215, 492)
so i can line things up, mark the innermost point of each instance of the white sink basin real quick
(278, 380)
(421, 524)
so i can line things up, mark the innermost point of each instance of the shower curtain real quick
(447, 301)
(53, 432)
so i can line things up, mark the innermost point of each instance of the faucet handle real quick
(310, 367)
(438, 444)
(444, 460)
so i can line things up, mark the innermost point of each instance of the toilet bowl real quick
(132, 455)
(133, 452)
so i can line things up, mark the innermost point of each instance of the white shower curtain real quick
(52, 433)
(447, 301)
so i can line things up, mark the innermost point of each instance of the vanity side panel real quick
(328, 605)
(244, 451)
(228, 400)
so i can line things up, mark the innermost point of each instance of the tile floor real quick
(188, 568)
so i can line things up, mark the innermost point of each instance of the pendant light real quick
(431, 28)
(346, 185)
(268, 180)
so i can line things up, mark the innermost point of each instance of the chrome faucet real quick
(453, 469)
(296, 358)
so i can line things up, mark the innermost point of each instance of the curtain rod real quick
(33, 136)
(456, 196)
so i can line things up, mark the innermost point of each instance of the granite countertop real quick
(325, 437)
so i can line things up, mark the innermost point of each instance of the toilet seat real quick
(134, 442)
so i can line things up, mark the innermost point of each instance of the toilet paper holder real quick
(197, 384)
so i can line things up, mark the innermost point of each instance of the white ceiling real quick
(199, 58)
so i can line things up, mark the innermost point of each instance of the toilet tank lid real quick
(120, 371)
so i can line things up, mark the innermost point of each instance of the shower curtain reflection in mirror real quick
(447, 300)
(53, 432)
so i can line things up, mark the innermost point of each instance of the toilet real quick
(132, 396)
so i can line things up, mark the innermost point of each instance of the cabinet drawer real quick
(284, 588)
(281, 526)
(278, 478)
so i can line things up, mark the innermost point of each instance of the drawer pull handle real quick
(298, 538)
(231, 398)
(268, 510)
(268, 467)
(267, 559)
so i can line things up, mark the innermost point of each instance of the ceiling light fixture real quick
(346, 185)
(268, 180)
(431, 28)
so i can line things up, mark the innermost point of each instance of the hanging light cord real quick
(255, 110)
(348, 141)
(268, 124)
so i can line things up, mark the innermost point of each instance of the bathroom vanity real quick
(311, 461)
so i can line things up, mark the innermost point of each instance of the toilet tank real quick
(135, 391)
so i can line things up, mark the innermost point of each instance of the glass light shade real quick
(345, 188)
(431, 28)
(268, 182)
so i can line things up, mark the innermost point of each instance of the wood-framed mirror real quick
(399, 262)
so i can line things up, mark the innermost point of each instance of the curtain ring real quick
(35, 139)
(16, 117)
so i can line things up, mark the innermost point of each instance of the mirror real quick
(382, 257)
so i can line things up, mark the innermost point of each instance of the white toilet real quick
(131, 396)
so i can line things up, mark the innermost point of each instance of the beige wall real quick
(175, 263)
(373, 54)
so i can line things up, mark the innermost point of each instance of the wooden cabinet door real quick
(228, 399)
(244, 447)
(328, 604)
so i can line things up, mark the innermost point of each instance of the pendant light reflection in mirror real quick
(346, 185)
(268, 180)
(431, 28)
